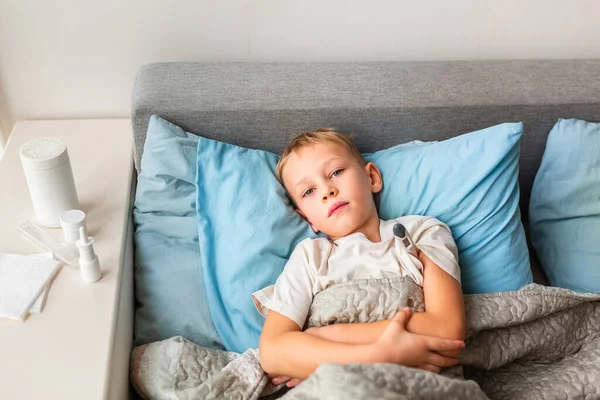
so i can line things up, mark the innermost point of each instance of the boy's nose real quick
(329, 193)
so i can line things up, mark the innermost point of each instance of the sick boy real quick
(332, 187)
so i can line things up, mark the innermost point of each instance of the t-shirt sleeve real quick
(292, 294)
(434, 238)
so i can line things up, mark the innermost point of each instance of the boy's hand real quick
(278, 380)
(397, 345)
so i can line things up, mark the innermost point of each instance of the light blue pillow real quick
(470, 182)
(169, 285)
(564, 211)
(248, 228)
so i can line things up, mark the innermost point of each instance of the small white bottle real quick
(49, 178)
(88, 260)
(70, 222)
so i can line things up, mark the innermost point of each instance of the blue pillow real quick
(248, 228)
(169, 285)
(564, 211)
(470, 182)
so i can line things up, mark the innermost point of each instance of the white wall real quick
(77, 58)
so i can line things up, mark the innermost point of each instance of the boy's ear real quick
(375, 176)
(314, 228)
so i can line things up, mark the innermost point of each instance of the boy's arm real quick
(286, 351)
(444, 316)
(444, 304)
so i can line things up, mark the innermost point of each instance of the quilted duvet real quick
(535, 343)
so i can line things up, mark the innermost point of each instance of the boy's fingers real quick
(438, 344)
(278, 380)
(402, 317)
(440, 360)
(293, 382)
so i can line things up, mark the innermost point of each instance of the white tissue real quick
(38, 306)
(23, 281)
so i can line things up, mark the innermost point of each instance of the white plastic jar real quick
(49, 178)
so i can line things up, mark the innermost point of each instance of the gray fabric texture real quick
(331, 306)
(262, 105)
(535, 343)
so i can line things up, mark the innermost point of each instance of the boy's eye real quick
(337, 172)
(308, 192)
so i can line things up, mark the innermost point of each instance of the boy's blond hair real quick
(321, 135)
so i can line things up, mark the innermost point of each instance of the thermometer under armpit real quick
(409, 246)
(405, 239)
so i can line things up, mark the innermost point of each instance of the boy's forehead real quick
(319, 152)
(307, 158)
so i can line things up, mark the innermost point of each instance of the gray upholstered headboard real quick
(383, 103)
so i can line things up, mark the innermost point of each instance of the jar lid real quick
(43, 153)
(73, 219)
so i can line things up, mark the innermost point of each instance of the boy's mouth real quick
(336, 206)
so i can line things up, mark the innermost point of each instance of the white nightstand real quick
(78, 347)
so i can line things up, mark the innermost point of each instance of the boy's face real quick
(331, 189)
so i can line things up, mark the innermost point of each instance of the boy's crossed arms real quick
(428, 340)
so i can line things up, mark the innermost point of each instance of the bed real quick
(384, 104)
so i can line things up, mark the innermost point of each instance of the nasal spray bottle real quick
(88, 260)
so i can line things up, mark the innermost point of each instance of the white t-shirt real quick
(316, 264)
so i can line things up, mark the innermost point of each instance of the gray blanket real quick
(535, 343)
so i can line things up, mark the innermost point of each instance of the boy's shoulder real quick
(414, 224)
(411, 220)
(312, 251)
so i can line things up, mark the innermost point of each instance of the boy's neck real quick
(370, 229)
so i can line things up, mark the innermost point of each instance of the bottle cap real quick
(70, 222)
(43, 153)
(84, 242)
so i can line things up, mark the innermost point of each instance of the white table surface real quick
(64, 352)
